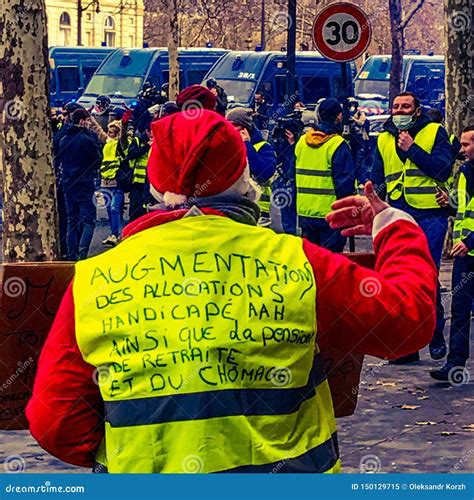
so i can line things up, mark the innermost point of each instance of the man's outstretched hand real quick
(355, 214)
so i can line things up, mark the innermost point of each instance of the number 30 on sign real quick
(341, 32)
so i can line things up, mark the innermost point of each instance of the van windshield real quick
(239, 91)
(121, 86)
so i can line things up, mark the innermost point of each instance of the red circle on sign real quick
(342, 8)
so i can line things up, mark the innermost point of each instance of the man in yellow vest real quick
(261, 156)
(454, 370)
(194, 344)
(412, 161)
(137, 156)
(325, 172)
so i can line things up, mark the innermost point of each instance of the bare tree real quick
(459, 65)
(29, 206)
(398, 24)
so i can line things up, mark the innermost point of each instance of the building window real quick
(109, 31)
(88, 16)
(131, 41)
(131, 21)
(89, 39)
(65, 29)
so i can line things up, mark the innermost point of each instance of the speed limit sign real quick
(342, 32)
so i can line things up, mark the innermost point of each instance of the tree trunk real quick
(173, 45)
(29, 193)
(459, 65)
(459, 77)
(398, 48)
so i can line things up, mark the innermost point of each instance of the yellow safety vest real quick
(464, 222)
(110, 161)
(203, 335)
(406, 178)
(265, 198)
(139, 167)
(315, 190)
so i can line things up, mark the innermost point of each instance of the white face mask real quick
(403, 122)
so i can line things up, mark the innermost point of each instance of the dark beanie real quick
(329, 109)
(241, 116)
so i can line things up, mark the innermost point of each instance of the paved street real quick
(404, 422)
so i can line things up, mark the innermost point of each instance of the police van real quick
(424, 75)
(242, 74)
(71, 69)
(123, 73)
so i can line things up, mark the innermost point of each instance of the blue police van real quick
(424, 75)
(242, 74)
(71, 69)
(122, 75)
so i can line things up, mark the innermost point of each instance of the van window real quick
(314, 87)
(52, 82)
(280, 87)
(88, 71)
(68, 78)
(196, 76)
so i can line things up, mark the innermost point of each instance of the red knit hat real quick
(195, 157)
(196, 96)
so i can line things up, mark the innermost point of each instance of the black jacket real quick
(80, 157)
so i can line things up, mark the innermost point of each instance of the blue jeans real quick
(81, 217)
(115, 203)
(435, 229)
(318, 231)
(462, 295)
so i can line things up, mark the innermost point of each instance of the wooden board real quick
(30, 296)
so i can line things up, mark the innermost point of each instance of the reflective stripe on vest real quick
(206, 351)
(464, 222)
(139, 166)
(314, 183)
(265, 198)
(406, 178)
(110, 161)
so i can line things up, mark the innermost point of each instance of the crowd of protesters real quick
(101, 154)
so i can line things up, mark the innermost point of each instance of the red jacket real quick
(388, 312)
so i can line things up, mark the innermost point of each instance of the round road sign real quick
(342, 32)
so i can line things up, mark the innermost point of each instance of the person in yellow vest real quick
(113, 153)
(194, 344)
(137, 156)
(261, 157)
(454, 370)
(412, 161)
(325, 172)
(436, 116)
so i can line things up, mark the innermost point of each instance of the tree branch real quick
(410, 15)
